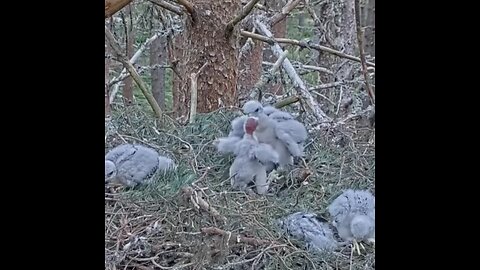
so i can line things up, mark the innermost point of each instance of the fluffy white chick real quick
(353, 214)
(250, 159)
(228, 144)
(266, 133)
(133, 164)
(311, 229)
(290, 131)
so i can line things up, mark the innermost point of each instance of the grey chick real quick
(228, 144)
(278, 136)
(291, 132)
(311, 229)
(132, 164)
(250, 159)
(353, 214)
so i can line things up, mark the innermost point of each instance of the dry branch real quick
(285, 10)
(113, 6)
(362, 53)
(266, 77)
(235, 238)
(244, 13)
(193, 94)
(199, 202)
(189, 7)
(286, 102)
(297, 81)
(173, 8)
(303, 45)
(319, 69)
(124, 74)
(131, 69)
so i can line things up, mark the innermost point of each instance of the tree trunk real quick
(339, 16)
(158, 56)
(370, 28)
(249, 63)
(108, 111)
(129, 40)
(203, 41)
(279, 30)
(113, 6)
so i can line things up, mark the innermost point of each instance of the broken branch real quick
(267, 77)
(303, 45)
(286, 102)
(113, 6)
(285, 10)
(297, 81)
(235, 238)
(244, 13)
(362, 53)
(189, 7)
(131, 69)
(193, 94)
(201, 203)
(173, 8)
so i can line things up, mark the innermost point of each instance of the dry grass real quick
(191, 219)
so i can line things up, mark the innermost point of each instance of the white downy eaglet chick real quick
(270, 133)
(290, 131)
(228, 144)
(132, 164)
(311, 229)
(251, 156)
(353, 214)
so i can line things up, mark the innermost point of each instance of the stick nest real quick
(192, 219)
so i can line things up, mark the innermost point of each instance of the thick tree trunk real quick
(130, 40)
(158, 56)
(113, 6)
(204, 41)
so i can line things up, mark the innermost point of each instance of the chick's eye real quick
(110, 174)
(257, 109)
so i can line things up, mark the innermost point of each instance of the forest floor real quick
(192, 219)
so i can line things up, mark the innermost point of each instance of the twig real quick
(193, 94)
(330, 85)
(126, 63)
(244, 13)
(266, 77)
(303, 45)
(362, 53)
(235, 238)
(285, 10)
(189, 7)
(319, 69)
(173, 8)
(299, 84)
(286, 102)
(189, 191)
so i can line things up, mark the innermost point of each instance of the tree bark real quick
(158, 56)
(370, 28)
(204, 40)
(113, 6)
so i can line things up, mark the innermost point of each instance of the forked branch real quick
(131, 69)
(190, 8)
(285, 10)
(173, 8)
(244, 13)
(303, 45)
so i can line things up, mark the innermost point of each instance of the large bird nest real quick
(192, 219)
